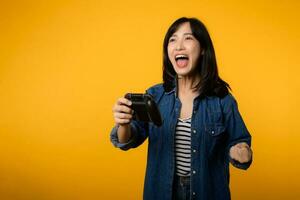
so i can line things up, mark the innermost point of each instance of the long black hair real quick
(210, 83)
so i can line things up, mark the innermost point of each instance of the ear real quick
(202, 52)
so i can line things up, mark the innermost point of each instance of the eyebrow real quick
(183, 34)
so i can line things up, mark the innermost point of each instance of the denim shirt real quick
(216, 125)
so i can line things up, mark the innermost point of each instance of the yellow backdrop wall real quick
(64, 63)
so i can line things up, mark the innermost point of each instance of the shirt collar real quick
(175, 89)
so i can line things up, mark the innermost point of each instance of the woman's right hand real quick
(122, 112)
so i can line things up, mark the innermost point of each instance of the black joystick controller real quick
(145, 108)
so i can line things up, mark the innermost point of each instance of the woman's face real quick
(184, 50)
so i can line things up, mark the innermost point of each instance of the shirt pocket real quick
(215, 134)
(214, 130)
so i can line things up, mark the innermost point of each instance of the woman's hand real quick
(123, 115)
(241, 152)
(122, 112)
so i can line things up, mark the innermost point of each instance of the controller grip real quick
(145, 108)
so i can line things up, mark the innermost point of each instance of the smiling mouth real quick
(182, 60)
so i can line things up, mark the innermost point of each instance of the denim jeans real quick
(181, 188)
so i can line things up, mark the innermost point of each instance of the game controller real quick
(145, 108)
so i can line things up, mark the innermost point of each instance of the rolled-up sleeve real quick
(236, 129)
(139, 132)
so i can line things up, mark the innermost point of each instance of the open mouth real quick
(181, 60)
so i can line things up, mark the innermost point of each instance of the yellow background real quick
(64, 63)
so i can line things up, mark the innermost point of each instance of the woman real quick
(202, 131)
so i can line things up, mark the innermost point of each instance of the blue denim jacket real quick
(216, 126)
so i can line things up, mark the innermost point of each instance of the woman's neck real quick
(186, 83)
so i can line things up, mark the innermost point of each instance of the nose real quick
(179, 45)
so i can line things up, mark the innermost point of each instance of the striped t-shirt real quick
(183, 147)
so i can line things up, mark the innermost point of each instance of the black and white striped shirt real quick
(183, 147)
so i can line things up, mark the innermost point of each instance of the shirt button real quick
(194, 172)
(194, 150)
(194, 131)
(194, 193)
(212, 132)
(195, 111)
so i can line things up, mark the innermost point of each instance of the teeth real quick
(181, 56)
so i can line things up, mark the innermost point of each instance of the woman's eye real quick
(189, 38)
(171, 40)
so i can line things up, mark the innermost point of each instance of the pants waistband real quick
(184, 180)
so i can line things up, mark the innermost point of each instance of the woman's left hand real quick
(241, 152)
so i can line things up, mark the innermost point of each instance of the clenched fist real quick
(241, 152)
